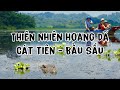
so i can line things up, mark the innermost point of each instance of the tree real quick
(16, 20)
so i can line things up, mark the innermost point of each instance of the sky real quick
(92, 13)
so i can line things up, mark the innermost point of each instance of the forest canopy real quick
(15, 20)
(51, 20)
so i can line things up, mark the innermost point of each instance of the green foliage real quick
(117, 52)
(44, 20)
(99, 56)
(21, 65)
(60, 46)
(109, 54)
(72, 21)
(13, 20)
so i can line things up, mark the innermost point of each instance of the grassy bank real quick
(7, 32)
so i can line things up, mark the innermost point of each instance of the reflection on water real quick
(7, 47)
(21, 72)
(11, 54)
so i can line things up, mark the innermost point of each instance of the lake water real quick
(68, 67)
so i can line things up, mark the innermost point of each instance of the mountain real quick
(51, 20)
(15, 20)
(18, 20)
(114, 17)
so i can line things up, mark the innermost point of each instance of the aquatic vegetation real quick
(21, 68)
(60, 46)
(61, 53)
(107, 57)
(103, 57)
(99, 56)
(21, 72)
(118, 57)
(60, 49)
(21, 65)
(107, 53)
(117, 52)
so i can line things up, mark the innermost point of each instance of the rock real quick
(48, 68)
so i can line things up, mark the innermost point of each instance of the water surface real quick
(68, 67)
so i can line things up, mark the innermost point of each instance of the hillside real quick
(51, 20)
(14, 20)
(114, 17)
